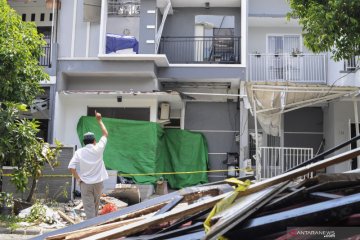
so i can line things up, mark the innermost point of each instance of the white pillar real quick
(243, 138)
(257, 152)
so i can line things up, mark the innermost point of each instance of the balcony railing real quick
(220, 50)
(45, 60)
(351, 64)
(304, 68)
(276, 160)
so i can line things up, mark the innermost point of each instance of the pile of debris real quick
(233, 208)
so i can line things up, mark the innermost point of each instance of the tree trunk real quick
(32, 189)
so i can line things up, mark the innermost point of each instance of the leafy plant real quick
(20, 147)
(329, 26)
(20, 49)
(37, 213)
(6, 199)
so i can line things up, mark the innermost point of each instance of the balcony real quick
(351, 64)
(299, 68)
(201, 50)
(45, 60)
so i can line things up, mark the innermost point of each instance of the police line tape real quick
(149, 174)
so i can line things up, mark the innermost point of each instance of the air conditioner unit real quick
(164, 111)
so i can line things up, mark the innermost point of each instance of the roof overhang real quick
(268, 101)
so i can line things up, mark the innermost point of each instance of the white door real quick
(281, 66)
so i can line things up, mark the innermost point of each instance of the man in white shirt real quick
(92, 170)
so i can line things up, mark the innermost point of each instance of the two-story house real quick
(208, 66)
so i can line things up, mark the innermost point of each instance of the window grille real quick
(124, 8)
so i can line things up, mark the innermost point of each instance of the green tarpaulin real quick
(139, 147)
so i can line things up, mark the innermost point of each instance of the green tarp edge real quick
(140, 147)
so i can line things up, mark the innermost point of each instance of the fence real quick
(201, 49)
(45, 60)
(276, 160)
(304, 68)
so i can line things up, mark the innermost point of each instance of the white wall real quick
(33, 7)
(336, 129)
(69, 109)
(338, 78)
(268, 7)
(257, 37)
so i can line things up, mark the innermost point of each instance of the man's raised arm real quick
(101, 124)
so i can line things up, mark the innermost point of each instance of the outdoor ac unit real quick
(164, 111)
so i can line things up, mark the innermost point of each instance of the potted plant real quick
(257, 54)
(296, 52)
(6, 203)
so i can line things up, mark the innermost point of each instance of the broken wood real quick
(170, 205)
(65, 217)
(242, 209)
(93, 230)
(144, 224)
(78, 207)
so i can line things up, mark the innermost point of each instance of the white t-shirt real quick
(91, 163)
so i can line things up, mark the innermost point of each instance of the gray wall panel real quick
(214, 116)
(192, 73)
(147, 33)
(304, 120)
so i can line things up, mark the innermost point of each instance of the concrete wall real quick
(268, 7)
(185, 17)
(65, 30)
(69, 109)
(337, 130)
(257, 39)
(48, 186)
(117, 25)
(36, 8)
(139, 76)
(219, 122)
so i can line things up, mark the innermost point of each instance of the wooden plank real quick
(242, 209)
(66, 217)
(324, 195)
(132, 211)
(285, 199)
(170, 205)
(169, 216)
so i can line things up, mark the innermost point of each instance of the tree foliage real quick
(20, 147)
(20, 49)
(329, 25)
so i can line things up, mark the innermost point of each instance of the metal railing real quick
(221, 50)
(277, 160)
(304, 68)
(351, 64)
(45, 60)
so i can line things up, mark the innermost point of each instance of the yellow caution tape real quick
(226, 202)
(147, 174)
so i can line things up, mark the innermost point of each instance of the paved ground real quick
(15, 236)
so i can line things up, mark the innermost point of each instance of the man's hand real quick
(98, 116)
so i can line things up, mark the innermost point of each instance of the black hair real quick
(88, 141)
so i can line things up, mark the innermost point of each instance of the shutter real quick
(92, 10)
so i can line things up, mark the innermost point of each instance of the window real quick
(23, 17)
(42, 17)
(283, 44)
(51, 17)
(142, 114)
(124, 8)
(33, 17)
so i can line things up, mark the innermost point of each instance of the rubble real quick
(235, 208)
